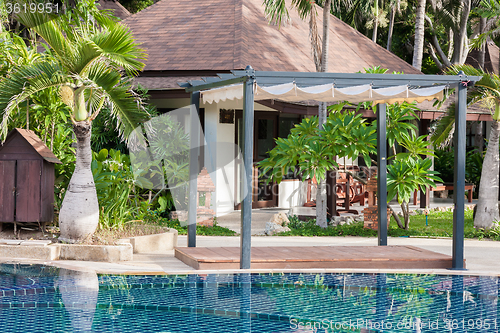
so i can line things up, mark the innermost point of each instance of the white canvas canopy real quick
(290, 92)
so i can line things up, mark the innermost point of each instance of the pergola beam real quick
(248, 77)
(351, 79)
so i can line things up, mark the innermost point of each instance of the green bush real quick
(116, 189)
(444, 163)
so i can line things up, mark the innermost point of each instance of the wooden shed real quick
(26, 179)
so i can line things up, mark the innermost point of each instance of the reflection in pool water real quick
(47, 299)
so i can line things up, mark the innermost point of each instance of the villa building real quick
(188, 40)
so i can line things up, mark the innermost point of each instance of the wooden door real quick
(28, 190)
(265, 131)
(7, 190)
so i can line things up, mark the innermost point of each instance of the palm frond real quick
(117, 44)
(304, 8)
(442, 134)
(24, 82)
(127, 109)
(49, 28)
(276, 12)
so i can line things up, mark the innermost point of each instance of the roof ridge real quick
(219, 35)
(142, 11)
(377, 45)
(238, 34)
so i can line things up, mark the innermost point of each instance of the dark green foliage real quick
(473, 168)
(105, 135)
(444, 164)
(135, 6)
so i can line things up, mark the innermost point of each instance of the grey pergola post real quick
(194, 142)
(459, 176)
(246, 176)
(382, 174)
(248, 77)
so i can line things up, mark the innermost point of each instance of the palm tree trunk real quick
(77, 287)
(321, 193)
(418, 48)
(478, 137)
(482, 50)
(487, 205)
(391, 27)
(375, 29)
(79, 215)
(326, 33)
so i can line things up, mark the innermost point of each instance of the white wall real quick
(219, 150)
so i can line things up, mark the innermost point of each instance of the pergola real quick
(293, 86)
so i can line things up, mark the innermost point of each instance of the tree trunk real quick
(418, 47)
(326, 33)
(391, 28)
(79, 293)
(482, 50)
(487, 205)
(375, 29)
(478, 137)
(79, 215)
(321, 193)
(460, 38)
(406, 214)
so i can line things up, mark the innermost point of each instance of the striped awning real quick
(290, 92)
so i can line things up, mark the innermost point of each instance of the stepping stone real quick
(36, 242)
(10, 241)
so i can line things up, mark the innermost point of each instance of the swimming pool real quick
(47, 299)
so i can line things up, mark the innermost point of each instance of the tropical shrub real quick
(117, 192)
(404, 177)
(444, 163)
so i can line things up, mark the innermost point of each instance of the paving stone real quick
(10, 241)
(36, 242)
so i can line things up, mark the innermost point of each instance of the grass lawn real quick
(440, 224)
(200, 230)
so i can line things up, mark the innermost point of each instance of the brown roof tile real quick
(37, 144)
(231, 34)
(491, 58)
(115, 7)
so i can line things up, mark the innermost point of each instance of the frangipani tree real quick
(313, 150)
(405, 175)
(89, 57)
(277, 12)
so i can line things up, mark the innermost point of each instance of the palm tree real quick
(88, 58)
(276, 11)
(486, 92)
(418, 47)
(395, 6)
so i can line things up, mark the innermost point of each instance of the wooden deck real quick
(372, 257)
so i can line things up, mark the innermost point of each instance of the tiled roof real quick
(37, 144)
(231, 34)
(491, 58)
(162, 83)
(114, 6)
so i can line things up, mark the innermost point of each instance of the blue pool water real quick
(47, 299)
